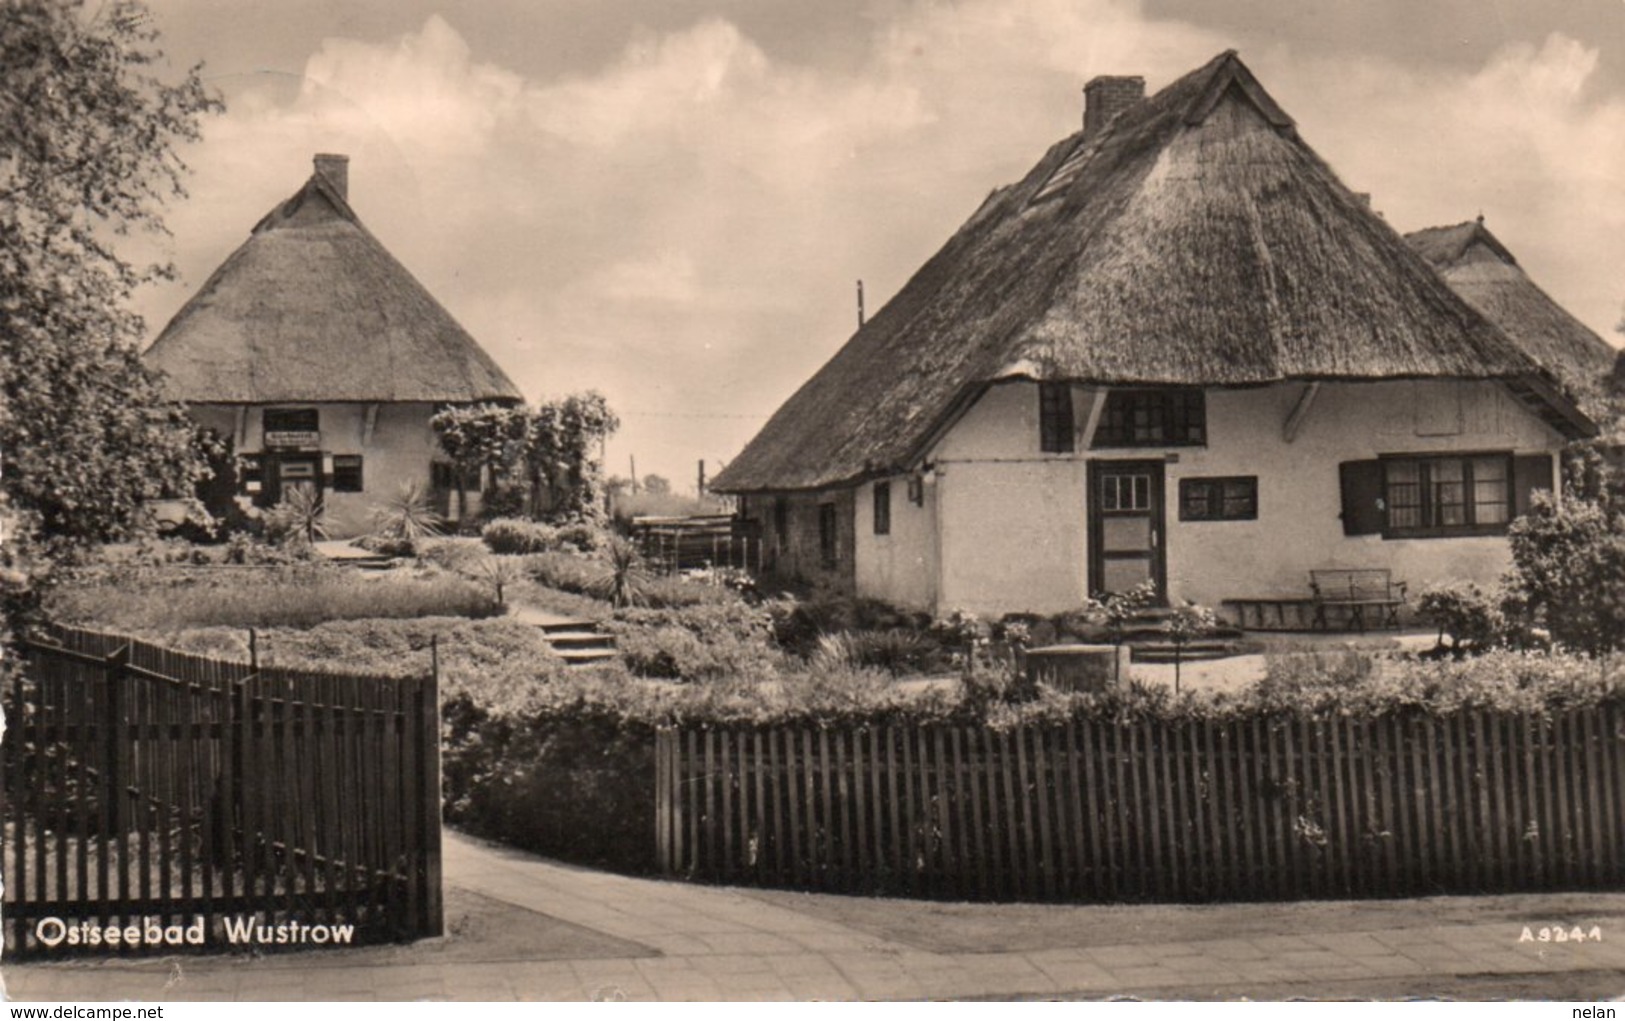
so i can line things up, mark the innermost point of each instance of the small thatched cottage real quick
(322, 359)
(1178, 351)
(1481, 269)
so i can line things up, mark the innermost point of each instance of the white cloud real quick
(682, 228)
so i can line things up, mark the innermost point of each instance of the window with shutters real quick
(1055, 425)
(1447, 495)
(1153, 418)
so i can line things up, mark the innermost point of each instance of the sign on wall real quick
(293, 438)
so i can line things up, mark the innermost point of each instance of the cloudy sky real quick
(671, 200)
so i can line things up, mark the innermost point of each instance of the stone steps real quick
(579, 642)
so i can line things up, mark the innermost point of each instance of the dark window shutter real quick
(1361, 483)
(1529, 473)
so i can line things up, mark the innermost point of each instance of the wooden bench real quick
(1357, 590)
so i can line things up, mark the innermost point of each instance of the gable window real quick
(882, 508)
(1219, 499)
(828, 540)
(346, 473)
(1153, 418)
(1450, 495)
(1055, 428)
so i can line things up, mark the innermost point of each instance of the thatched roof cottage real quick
(322, 358)
(1479, 267)
(1179, 350)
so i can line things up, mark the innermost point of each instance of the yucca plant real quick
(625, 579)
(299, 515)
(498, 573)
(406, 518)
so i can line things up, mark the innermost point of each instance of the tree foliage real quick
(554, 449)
(89, 153)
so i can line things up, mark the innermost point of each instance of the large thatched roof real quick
(1195, 240)
(313, 308)
(1481, 269)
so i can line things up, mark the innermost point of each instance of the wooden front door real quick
(1127, 544)
(288, 472)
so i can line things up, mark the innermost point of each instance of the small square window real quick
(1219, 499)
(347, 473)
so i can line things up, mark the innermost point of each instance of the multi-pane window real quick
(882, 508)
(1125, 492)
(1447, 495)
(828, 538)
(1055, 426)
(347, 473)
(1153, 418)
(300, 420)
(441, 475)
(1219, 499)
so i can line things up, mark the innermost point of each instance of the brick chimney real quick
(1106, 96)
(336, 169)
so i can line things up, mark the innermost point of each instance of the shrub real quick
(798, 624)
(496, 660)
(700, 643)
(518, 536)
(582, 537)
(568, 572)
(300, 596)
(1470, 617)
(897, 651)
(1569, 570)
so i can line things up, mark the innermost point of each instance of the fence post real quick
(117, 738)
(253, 650)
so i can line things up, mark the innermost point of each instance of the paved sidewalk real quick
(712, 943)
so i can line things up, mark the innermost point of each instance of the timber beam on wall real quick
(1300, 411)
(1091, 422)
(369, 423)
(240, 440)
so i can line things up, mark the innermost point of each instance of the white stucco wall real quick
(398, 452)
(900, 567)
(1013, 528)
(1298, 526)
(1012, 521)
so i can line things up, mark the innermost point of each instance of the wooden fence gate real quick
(1241, 809)
(148, 788)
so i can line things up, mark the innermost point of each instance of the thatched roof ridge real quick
(1481, 269)
(1196, 240)
(312, 308)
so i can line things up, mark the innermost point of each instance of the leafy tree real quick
(482, 440)
(89, 138)
(656, 484)
(564, 456)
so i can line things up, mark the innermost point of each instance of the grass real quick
(300, 597)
